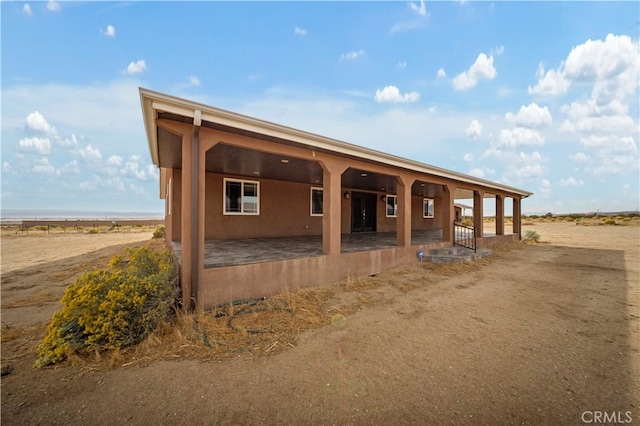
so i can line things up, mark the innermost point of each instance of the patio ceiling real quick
(236, 161)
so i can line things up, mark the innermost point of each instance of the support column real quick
(478, 213)
(331, 206)
(403, 222)
(168, 209)
(499, 214)
(448, 212)
(187, 261)
(517, 219)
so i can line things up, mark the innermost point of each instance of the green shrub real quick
(112, 308)
(610, 221)
(531, 237)
(159, 232)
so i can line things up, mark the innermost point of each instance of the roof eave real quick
(154, 101)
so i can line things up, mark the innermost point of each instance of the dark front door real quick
(363, 212)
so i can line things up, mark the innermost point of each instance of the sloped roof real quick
(155, 103)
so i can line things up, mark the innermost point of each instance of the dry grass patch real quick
(256, 327)
(359, 283)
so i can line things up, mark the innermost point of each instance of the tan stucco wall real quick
(277, 197)
(285, 211)
(221, 285)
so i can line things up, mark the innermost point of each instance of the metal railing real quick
(464, 236)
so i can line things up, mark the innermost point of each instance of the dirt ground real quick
(538, 334)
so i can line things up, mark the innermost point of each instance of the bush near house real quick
(159, 232)
(531, 237)
(113, 308)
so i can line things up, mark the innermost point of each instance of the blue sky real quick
(538, 95)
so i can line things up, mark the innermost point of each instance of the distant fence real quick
(82, 223)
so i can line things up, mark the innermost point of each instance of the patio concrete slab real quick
(220, 253)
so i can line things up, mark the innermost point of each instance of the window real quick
(427, 208)
(392, 205)
(316, 201)
(241, 197)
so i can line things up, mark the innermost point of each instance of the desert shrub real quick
(159, 232)
(531, 236)
(93, 231)
(610, 221)
(467, 222)
(112, 308)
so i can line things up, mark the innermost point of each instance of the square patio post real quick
(448, 212)
(499, 214)
(331, 206)
(186, 225)
(403, 223)
(478, 213)
(517, 220)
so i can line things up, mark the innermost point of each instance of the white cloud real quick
(6, 167)
(551, 83)
(194, 81)
(392, 94)
(482, 69)
(468, 157)
(580, 157)
(611, 65)
(70, 142)
(352, 55)
(441, 73)
(53, 6)
(477, 172)
(27, 9)
(136, 67)
(300, 31)
(95, 182)
(90, 154)
(519, 136)
(42, 167)
(110, 31)
(114, 160)
(36, 145)
(531, 115)
(599, 60)
(610, 143)
(571, 182)
(71, 168)
(499, 50)
(36, 122)
(610, 154)
(608, 123)
(132, 168)
(402, 65)
(420, 10)
(545, 188)
(590, 108)
(474, 130)
(153, 171)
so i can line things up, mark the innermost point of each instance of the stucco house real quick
(253, 207)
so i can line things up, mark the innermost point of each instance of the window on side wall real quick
(241, 197)
(392, 205)
(427, 208)
(316, 201)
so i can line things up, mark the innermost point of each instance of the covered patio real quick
(253, 207)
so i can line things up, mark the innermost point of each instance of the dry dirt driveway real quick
(539, 335)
